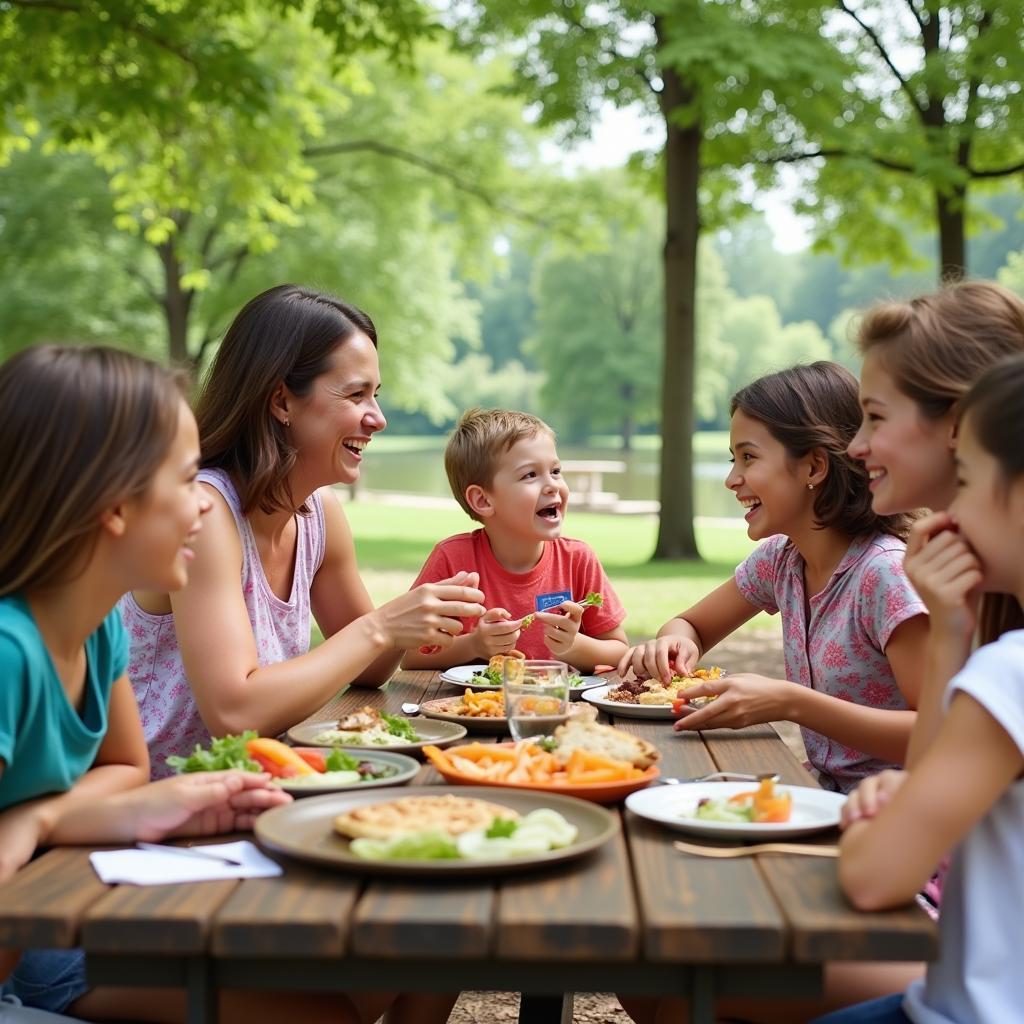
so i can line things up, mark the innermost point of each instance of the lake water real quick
(422, 472)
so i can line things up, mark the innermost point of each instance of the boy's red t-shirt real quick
(565, 565)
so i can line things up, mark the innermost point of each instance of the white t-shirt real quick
(979, 976)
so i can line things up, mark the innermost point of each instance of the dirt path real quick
(747, 652)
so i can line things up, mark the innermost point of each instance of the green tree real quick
(930, 107)
(598, 334)
(753, 330)
(703, 67)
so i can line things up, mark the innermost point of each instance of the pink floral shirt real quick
(840, 650)
(170, 717)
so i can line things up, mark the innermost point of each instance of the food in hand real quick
(764, 805)
(592, 600)
(654, 692)
(370, 728)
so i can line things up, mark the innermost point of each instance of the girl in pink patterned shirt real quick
(852, 625)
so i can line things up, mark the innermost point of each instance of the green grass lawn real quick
(393, 541)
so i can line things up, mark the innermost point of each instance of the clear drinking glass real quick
(536, 696)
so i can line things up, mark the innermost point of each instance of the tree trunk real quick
(682, 226)
(177, 303)
(628, 420)
(951, 210)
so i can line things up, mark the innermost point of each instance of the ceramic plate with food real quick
(370, 729)
(430, 831)
(582, 758)
(481, 711)
(712, 809)
(651, 698)
(482, 677)
(338, 770)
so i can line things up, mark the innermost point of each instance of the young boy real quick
(504, 471)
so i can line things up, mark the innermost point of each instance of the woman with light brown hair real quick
(920, 359)
(286, 411)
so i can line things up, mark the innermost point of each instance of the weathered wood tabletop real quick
(634, 917)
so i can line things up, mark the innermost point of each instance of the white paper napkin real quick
(148, 867)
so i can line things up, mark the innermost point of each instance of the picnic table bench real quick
(586, 480)
(636, 916)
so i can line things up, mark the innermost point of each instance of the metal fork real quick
(720, 777)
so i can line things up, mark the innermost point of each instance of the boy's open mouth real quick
(551, 512)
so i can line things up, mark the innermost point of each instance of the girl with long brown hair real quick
(852, 626)
(98, 454)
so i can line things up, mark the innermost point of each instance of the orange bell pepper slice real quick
(273, 756)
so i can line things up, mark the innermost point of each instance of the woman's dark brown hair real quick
(286, 334)
(817, 407)
(81, 429)
(995, 406)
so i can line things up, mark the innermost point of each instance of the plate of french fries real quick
(480, 711)
(525, 765)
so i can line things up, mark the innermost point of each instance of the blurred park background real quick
(612, 214)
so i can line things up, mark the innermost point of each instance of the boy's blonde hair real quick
(481, 437)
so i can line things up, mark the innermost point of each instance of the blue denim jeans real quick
(887, 1010)
(47, 979)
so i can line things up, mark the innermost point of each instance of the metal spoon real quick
(722, 777)
(409, 708)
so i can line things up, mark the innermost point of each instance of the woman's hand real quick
(561, 630)
(871, 796)
(660, 659)
(496, 632)
(429, 614)
(946, 574)
(742, 699)
(198, 804)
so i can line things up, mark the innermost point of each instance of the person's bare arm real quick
(966, 770)
(122, 763)
(749, 699)
(683, 640)
(233, 692)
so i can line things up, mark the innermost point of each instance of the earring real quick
(810, 486)
(287, 423)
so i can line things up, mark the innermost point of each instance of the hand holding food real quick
(496, 633)
(663, 658)
(429, 614)
(740, 700)
(946, 573)
(561, 630)
(871, 796)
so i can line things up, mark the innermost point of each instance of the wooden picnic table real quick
(634, 917)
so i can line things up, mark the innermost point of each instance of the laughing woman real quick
(287, 410)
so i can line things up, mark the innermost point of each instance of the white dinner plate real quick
(462, 675)
(814, 810)
(598, 696)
